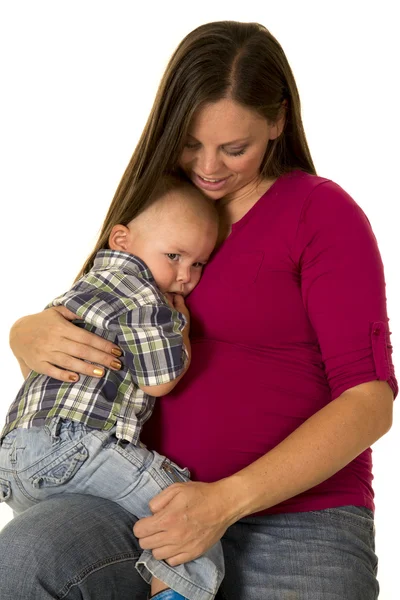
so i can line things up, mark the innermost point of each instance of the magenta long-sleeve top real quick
(289, 314)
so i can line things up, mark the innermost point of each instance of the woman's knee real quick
(66, 543)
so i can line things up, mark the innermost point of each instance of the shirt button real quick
(377, 332)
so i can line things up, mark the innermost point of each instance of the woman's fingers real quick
(68, 368)
(91, 349)
(49, 344)
(89, 340)
(163, 548)
(93, 341)
(193, 518)
(99, 362)
(75, 350)
(156, 542)
(59, 374)
(176, 560)
(163, 498)
(65, 312)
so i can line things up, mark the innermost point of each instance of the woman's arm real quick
(48, 343)
(190, 517)
(343, 292)
(318, 449)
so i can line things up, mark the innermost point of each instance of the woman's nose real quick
(208, 163)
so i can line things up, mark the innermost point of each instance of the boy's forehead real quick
(183, 212)
(184, 231)
(186, 236)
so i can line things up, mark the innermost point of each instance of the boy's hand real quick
(170, 298)
(177, 301)
(179, 304)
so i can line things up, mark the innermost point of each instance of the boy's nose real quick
(184, 275)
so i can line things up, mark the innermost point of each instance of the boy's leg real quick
(132, 476)
(71, 548)
(80, 461)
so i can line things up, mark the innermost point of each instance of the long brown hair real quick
(224, 59)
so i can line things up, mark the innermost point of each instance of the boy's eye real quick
(173, 256)
(198, 265)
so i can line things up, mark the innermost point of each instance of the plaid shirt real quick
(119, 300)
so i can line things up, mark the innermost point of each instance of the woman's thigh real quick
(325, 554)
(71, 548)
(82, 547)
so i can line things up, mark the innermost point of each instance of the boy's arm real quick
(166, 388)
(149, 330)
(177, 301)
(154, 343)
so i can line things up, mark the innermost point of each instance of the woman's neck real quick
(232, 208)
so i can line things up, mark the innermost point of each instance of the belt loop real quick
(13, 453)
(52, 428)
(122, 443)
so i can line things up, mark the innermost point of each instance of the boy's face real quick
(175, 245)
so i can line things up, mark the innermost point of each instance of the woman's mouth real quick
(209, 183)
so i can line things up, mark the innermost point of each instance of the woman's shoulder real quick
(303, 184)
(317, 193)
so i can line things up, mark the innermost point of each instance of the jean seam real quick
(22, 489)
(161, 478)
(130, 457)
(164, 569)
(78, 449)
(78, 579)
(57, 449)
(344, 520)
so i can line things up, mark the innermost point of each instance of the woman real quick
(291, 378)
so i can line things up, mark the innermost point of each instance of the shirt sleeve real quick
(343, 289)
(147, 329)
(151, 339)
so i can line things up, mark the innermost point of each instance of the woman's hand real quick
(188, 518)
(48, 343)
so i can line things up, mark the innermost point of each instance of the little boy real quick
(83, 437)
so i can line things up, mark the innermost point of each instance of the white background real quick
(77, 82)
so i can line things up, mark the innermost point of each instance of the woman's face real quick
(225, 147)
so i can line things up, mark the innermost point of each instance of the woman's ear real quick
(276, 128)
(119, 238)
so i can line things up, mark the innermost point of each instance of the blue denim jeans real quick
(68, 458)
(82, 547)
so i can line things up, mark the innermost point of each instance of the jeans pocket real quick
(174, 473)
(5, 490)
(61, 469)
(8, 439)
(351, 516)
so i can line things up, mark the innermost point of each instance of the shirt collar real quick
(123, 261)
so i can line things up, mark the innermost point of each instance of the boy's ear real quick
(119, 238)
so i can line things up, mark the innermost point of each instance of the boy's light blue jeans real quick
(69, 458)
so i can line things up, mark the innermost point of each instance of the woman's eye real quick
(191, 145)
(172, 256)
(236, 152)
